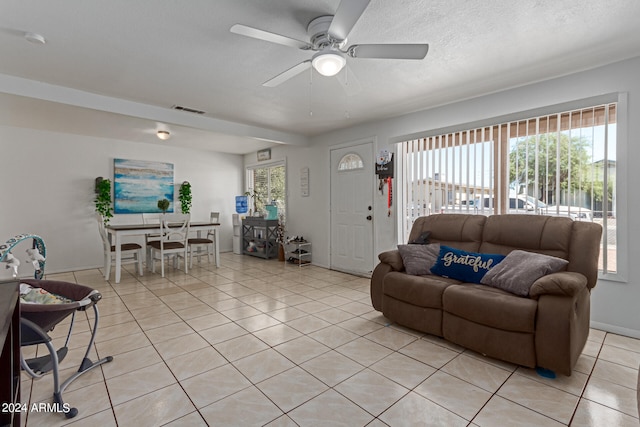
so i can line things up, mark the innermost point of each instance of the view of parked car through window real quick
(521, 205)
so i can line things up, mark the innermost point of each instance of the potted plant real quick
(256, 200)
(184, 196)
(163, 205)
(103, 199)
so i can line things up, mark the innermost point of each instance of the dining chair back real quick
(208, 242)
(150, 218)
(131, 252)
(174, 233)
(215, 219)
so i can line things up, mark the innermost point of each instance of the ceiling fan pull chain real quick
(310, 93)
(346, 76)
(347, 115)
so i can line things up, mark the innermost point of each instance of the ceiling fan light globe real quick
(328, 64)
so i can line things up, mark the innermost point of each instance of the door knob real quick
(369, 218)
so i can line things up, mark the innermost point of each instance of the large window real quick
(560, 164)
(267, 185)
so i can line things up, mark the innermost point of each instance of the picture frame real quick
(139, 184)
(264, 154)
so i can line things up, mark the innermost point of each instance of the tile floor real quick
(260, 342)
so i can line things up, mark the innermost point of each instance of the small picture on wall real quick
(264, 154)
(139, 184)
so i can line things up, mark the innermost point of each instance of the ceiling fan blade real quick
(255, 33)
(348, 13)
(389, 51)
(291, 72)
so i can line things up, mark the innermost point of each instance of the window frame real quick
(249, 184)
(348, 161)
(620, 98)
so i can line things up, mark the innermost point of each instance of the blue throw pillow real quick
(465, 266)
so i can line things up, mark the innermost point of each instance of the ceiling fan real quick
(328, 37)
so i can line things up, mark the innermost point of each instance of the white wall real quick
(306, 216)
(614, 304)
(48, 181)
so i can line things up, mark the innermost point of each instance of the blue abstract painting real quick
(139, 184)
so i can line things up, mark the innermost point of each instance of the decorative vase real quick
(281, 253)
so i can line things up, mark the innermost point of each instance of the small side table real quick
(298, 252)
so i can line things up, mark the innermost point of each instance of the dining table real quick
(117, 231)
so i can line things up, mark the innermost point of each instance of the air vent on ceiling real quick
(187, 109)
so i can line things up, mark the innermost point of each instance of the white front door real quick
(352, 179)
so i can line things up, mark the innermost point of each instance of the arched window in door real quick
(350, 161)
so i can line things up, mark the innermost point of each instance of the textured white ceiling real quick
(138, 58)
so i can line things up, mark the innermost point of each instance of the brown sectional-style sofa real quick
(547, 329)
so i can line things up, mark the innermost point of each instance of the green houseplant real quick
(103, 199)
(257, 202)
(184, 195)
(163, 205)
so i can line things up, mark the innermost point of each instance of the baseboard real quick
(633, 333)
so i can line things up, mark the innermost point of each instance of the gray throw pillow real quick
(418, 259)
(517, 272)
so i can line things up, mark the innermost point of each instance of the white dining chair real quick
(150, 218)
(208, 242)
(174, 232)
(131, 253)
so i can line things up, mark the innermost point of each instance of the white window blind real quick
(560, 164)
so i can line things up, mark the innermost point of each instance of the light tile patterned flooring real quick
(260, 342)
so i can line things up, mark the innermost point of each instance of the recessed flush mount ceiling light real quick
(35, 38)
(163, 134)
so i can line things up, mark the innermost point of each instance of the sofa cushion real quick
(535, 233)
(457, 230)
(465, 266)
(517, 272)
(418, 259)
(422, 291)
(491, 307)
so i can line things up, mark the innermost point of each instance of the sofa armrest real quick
(564, 283)
(377, 284)
(392, 258)
(562, 328)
